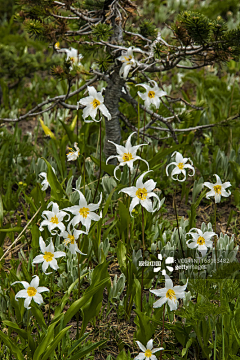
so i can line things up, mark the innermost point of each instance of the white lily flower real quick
(93, 102)
(70, 239)
(126, 155)
(73, 155)
(148, 351)
(72, 56)
(84, 212)
(201, 240)
(152, 95)
(32, 291)
(181, 165)
(218, 189)
(169, 294)
(49, 257)
(45, 184)
(128, 62)
(53, 219)
(141, 194)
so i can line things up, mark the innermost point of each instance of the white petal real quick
(24, 283)
(172, 304)
(41, 289)
(160, 292)
(159, 302)
(139, 182)
(131, 191)
(42, 244)
(58, 254)
(147, 204)
(209, 185)
(135, 201)
(226, 193)
(150, 344)
(140, 356)
(157, 349)
(38, 298)
(35, 282)
(53, 264)
(21, 294)
(27, 302)
(168, 283)
(141, 346)
(92, 91)
(179, 157)
(45, 266)
(38, 259)
(105, 111)
(210, 193)
(93, 207)
(188, 166)
(219, 182)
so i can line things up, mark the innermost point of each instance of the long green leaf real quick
(86, 350)
(74, 308)
(1, 211)
(54, 343)
(13, 348)
(236, 333)
(56, 189)
(45, 341)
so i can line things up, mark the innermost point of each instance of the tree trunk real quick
(112, 98)
(113, 129)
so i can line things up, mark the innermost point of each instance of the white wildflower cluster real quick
(54, 221)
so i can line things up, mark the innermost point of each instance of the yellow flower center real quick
(84, 212)
(48, 256)
(31, 291)
(54, 220)
(128, 58)
(95, 103)
(180, 166)
(148, 353)
(57, 45)
(127, 157)
(217, 189)
(171, 294)
(200, 240)
(71, 152)
(72, 59)
(141, 194)
(151, 94)
(70, 239)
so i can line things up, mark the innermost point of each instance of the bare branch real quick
(138, 35)
(79, 14)
(197, 128)
(55, 100)
(171, 99)
(158, 117)
(134, 128)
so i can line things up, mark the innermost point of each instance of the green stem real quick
(215, 343)
(100, 159)
(84, 174)
(50, 299)
(79, 287)
(162, 330)
(215, 227)
(143, 245)
(176, 214)
(28, 331)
